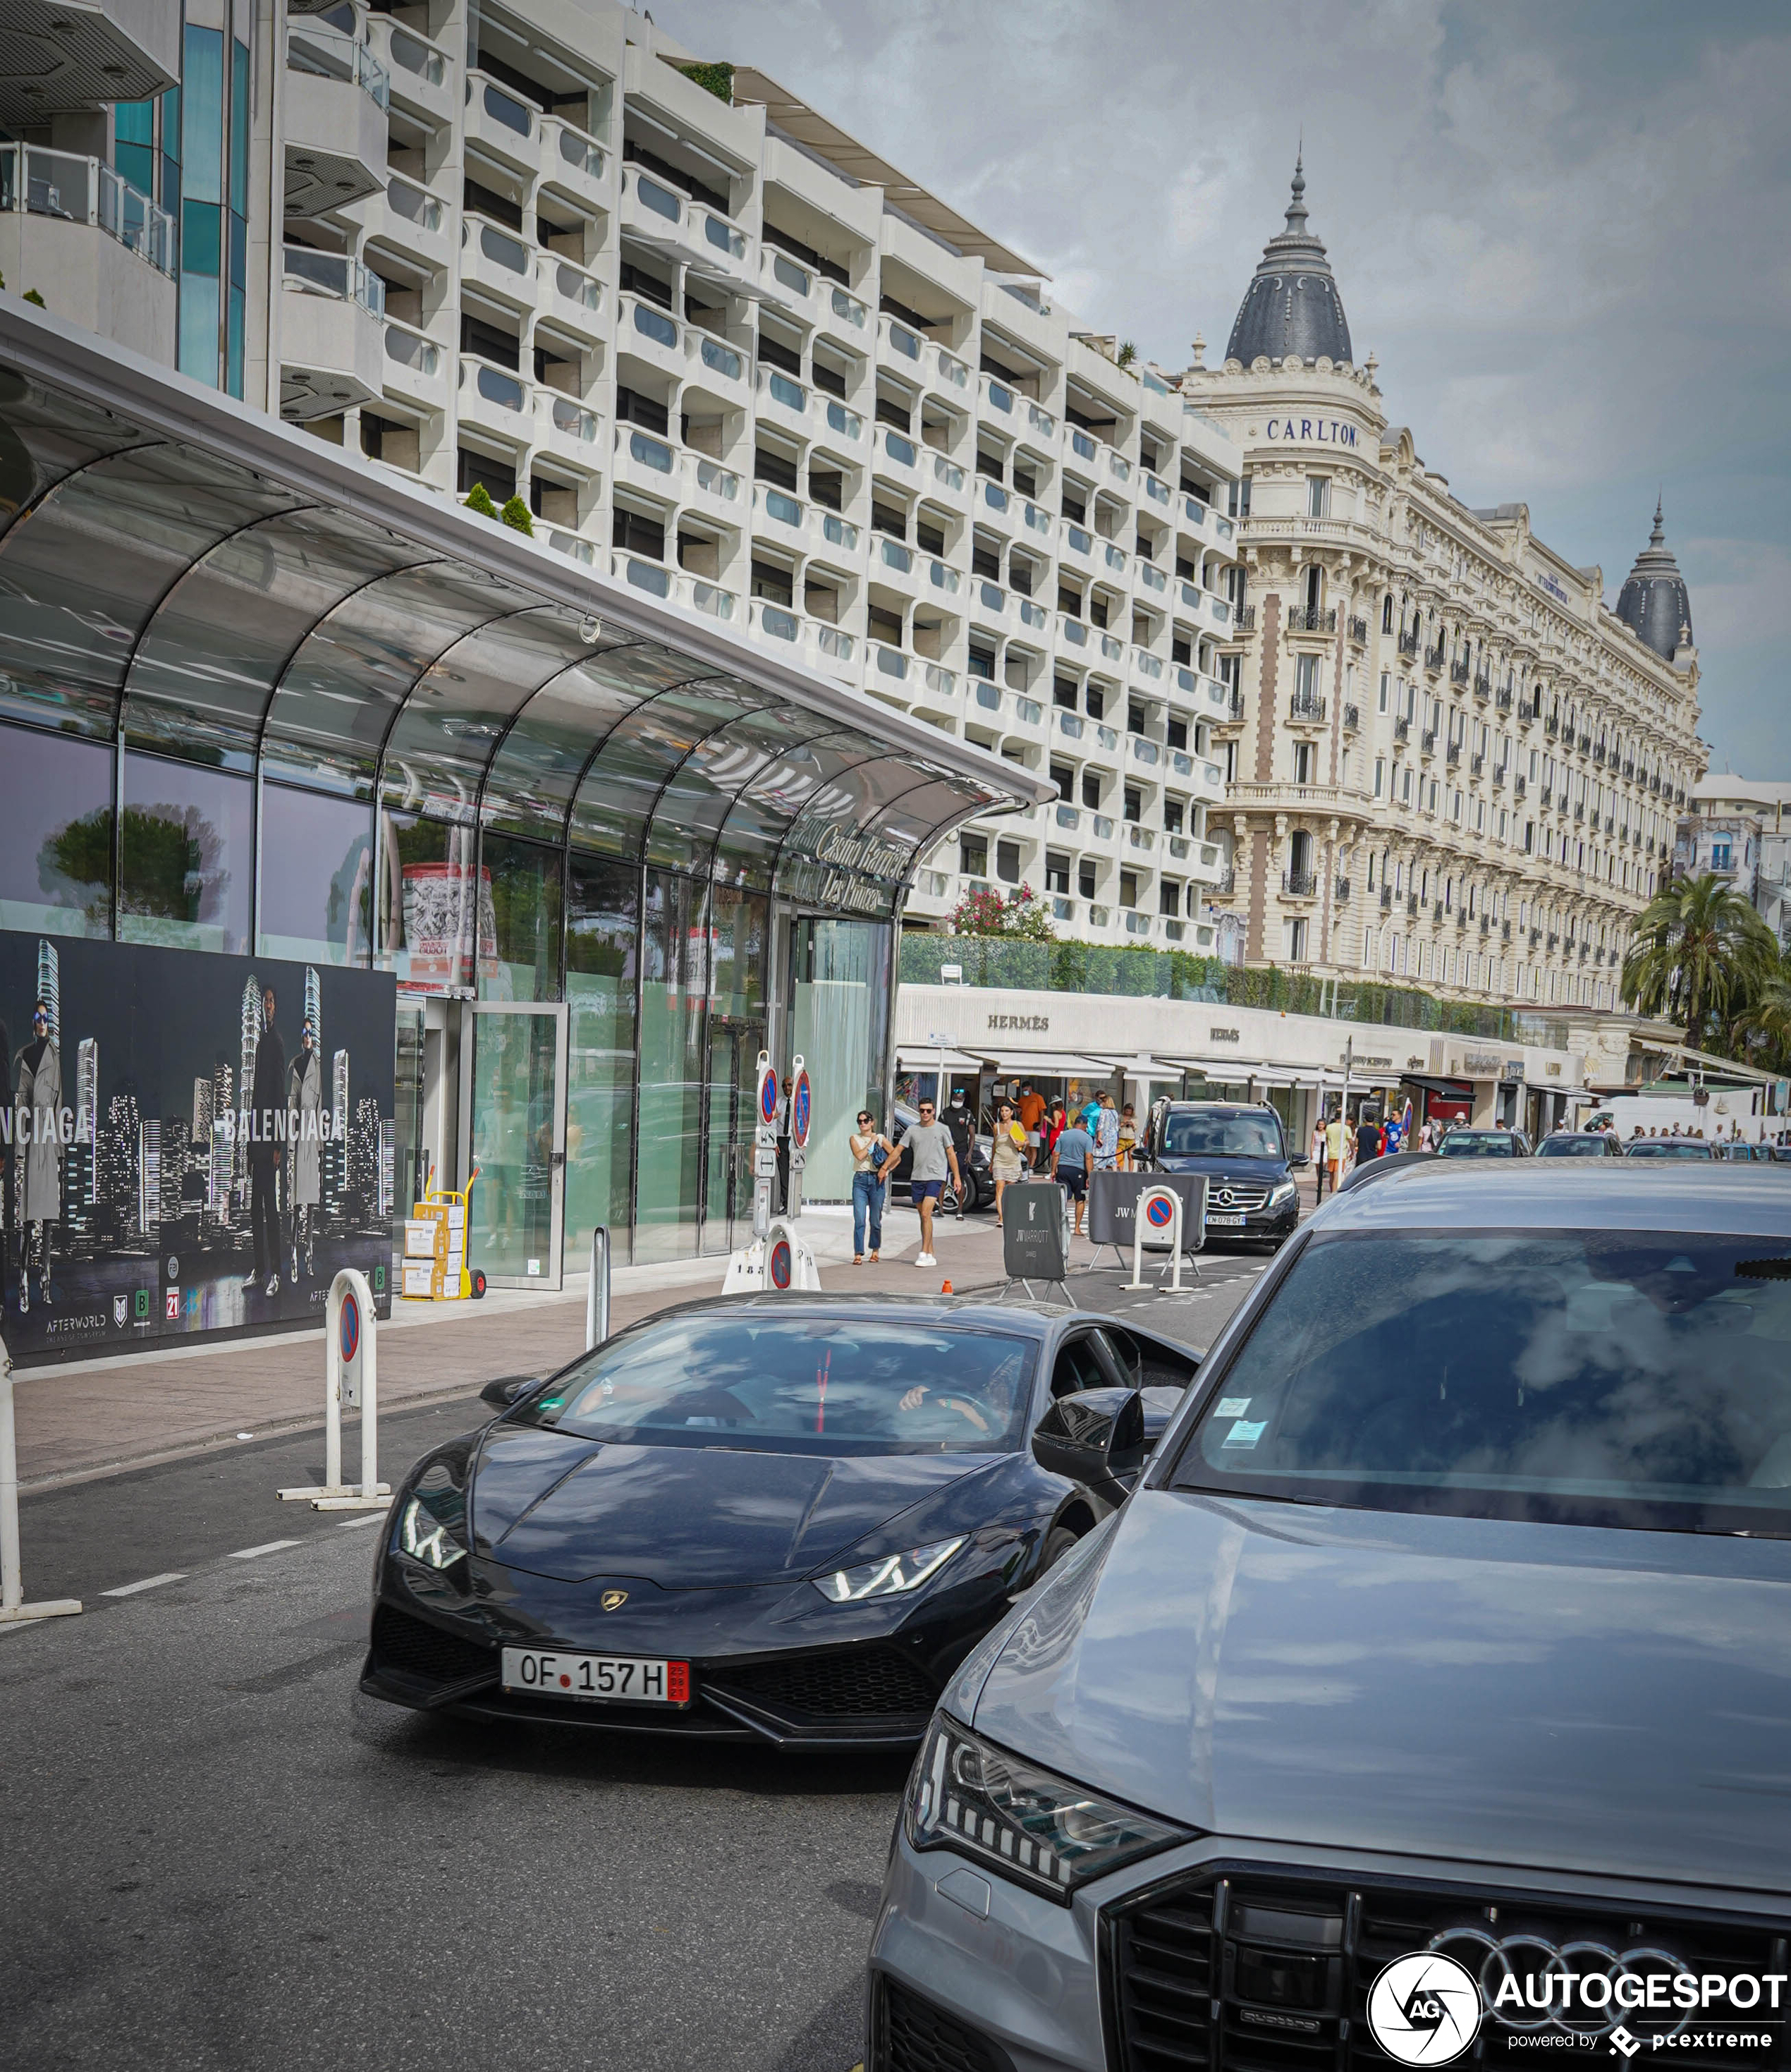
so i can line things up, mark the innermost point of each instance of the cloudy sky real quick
(1562, 227)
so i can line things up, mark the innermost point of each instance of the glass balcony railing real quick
(718, 480)
(1079, 541)
(504, 108)
(718, 231)
(1082, 445)
(421, 210)
(574, 421)
(953, 369)
(944, 578)
(1035, 519)
(903, 341)
(850, 309)
(1031, 613)
(650, 324)
(722, 359)
(895, 555)
(832, 642)
(900, 449)
(780, 624)
(1041, 421)
(326, 53)
(1000, 397)
(782, 389)
(76, 190)
(992, 597)
(948, 472)
(994, 496)
(1069, 725)
(572, 284)
(651, 452)
(496, 384)
(497, 245)
(943, 683)
(578, 151)
(333, 273)
(410, 348)
(1152, 578)
(847, 423)
(838, 531)
(410, 53)
(788, 275)
(660, 200)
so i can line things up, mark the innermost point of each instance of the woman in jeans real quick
(867, 1141)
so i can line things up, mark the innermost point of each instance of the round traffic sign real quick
(349, 1327)
(1160, 1211)
(780, 1263)
(801, 1109)
(768, 1098)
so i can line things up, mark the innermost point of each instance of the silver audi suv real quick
(1430, 1697)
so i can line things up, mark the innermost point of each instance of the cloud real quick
(1560, 228)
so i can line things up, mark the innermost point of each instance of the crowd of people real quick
(1339, 1146)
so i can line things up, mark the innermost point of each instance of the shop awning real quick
(1457, 1090)
(926, 1058)
(203, 584)
(1052, 1064)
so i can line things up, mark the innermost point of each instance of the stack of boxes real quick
(435, 1251)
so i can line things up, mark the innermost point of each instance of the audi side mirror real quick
(501, 1393)
(1095, 1437)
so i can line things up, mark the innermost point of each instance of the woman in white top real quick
(867, 1185)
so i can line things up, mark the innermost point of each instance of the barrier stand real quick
(351, 1376)
(596, 1295)
(14, 1610)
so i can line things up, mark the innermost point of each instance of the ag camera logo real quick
(1424, 2009)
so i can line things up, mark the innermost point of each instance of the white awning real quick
(1053, 1064)
(925, 1058)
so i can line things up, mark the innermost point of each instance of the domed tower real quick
(1291, 306)
(1654, 603)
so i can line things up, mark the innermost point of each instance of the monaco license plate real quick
(632, 1678)
(1228, 1220)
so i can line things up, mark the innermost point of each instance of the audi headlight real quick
(433, 1519)
(893, 1576)
(1041, 1831)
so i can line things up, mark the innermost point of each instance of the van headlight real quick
(1040, 1830)
(1288, 1190)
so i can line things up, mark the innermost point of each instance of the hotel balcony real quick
(337, 99)
(332, 342)
(101, 254)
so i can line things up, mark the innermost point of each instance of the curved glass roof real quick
(179, 577)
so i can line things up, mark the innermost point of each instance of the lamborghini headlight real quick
(433, 1517)
(1038, 1829)
(892, 1577)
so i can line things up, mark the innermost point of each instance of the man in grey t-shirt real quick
(1070, 1157)
(935, 1154)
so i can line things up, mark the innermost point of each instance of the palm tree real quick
(1700, 954)
(1766, 1020)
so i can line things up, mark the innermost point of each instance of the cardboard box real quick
(419, 1237)
(419, 1277)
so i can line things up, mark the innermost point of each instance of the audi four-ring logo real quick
(1526, 1982)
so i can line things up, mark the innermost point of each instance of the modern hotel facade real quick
(1448, 761)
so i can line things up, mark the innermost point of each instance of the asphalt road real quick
(215, 1853)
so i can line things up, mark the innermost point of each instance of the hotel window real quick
(1387, 619)
(1306, 678)
(1293, 936)
(1091, 789)
(1405, 788)
(1380, 775)
(1302, 762)
(1057, 872)
(1387, 687)
(1128, 888)
(1006, 862)
(1172, 817)
(1168, 897)
(1134, 805)
(1318, 496)
(973, 855)
(1085, 880)
(1720, 855)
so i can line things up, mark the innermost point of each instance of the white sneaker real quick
(925, 1259)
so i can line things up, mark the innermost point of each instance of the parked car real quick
(1251, 1191)
(1465, 1143)
(979, 1191)
(781, 1518)
(1669, 1147)
(1580, 1144)
(1452, 1615)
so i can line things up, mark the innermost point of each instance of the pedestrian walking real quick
(934, 1156)
(1055, 1123)
(871, 1151)
(1007, 1154)
(1071, 1156)
(1107, 1135)
(1337, 1148)
(1368, 1140)
(1031, 1110)
(1318, 1159)
(267, 1100)
(1129, 1138)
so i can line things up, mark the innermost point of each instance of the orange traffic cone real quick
(946, 1288)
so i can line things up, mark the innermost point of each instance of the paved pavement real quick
(215, 1853)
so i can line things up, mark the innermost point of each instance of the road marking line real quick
(148, 1583)
(268, 1547)
(355, 1524)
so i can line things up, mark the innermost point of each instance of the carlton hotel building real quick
(1448, 761)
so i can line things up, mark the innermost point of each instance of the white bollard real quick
(14, 1610)
(351, 1376)
(596, 1295)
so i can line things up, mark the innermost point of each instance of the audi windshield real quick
(1631, 1379)
(1192, 1135)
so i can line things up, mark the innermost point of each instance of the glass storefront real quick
(607, 857)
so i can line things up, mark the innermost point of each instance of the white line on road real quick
(268, 1547)
(354, 1524)
(148, 1583)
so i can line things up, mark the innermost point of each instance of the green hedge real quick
(1142, 974)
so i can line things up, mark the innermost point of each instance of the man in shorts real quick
(935, 1154)
(1071, 1156)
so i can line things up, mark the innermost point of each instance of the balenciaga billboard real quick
(189, 1143)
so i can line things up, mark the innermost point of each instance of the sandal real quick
(873, 1259)
(858, 1259)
